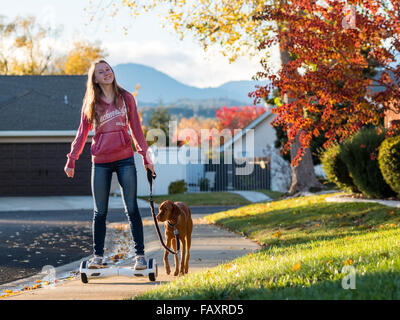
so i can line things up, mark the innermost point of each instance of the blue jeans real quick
(101, 183)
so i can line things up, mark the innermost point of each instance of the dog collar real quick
(172, 225)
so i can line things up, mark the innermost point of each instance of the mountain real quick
(156, 87)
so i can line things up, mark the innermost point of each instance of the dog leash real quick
(150, 178)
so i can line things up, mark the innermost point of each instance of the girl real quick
(110, 110)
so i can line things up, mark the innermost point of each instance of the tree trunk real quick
(303, 176)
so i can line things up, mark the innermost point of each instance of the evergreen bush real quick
(389, 162)
(360, 153)
(336, 170)
(178, 186)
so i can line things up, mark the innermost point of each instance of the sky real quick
(146, 42)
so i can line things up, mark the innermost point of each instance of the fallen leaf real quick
(348, 262)
(277, 234)
(296, 266)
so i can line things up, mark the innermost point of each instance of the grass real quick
(306, 244)
(272, 194)
(203, 198)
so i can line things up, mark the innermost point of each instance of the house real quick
(263, 167)
(244, 145)
(39, 119)
(392, 114)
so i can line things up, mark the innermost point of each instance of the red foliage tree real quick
(237, 117)
(333, 46)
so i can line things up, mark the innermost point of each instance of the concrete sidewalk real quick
(210, 246)
(50, 203)
(253, 196)
(389, 203)
(55, 203)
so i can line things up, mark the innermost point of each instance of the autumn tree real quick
(79, 58)
(327, 80)
(237, 117)
(6, 51)
(28, 39)
(25, 49)
(232, 26)
(189, 130)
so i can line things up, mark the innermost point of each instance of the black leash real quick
(150, 178)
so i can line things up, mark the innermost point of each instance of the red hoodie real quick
(111, 141)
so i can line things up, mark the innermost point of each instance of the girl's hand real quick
(69, 171)
(149, 166)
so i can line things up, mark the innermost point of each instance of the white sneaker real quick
(141, 263)
(95, 263)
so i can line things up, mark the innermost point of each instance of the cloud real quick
(187, 64)
(191, 66)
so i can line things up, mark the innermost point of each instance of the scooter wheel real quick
(84, 278)
(152, 277)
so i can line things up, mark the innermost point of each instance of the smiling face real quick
(164, 211)
(103, 74)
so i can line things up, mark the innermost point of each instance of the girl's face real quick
(103, 74)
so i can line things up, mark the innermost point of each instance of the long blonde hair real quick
(93, 91)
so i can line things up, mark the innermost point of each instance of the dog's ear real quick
(175, 212)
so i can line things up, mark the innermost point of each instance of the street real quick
(29, 240)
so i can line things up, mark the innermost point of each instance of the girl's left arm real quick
(136, 129)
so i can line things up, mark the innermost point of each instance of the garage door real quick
(37, 169)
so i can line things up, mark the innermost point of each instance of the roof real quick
(41, 102)
(243, 132)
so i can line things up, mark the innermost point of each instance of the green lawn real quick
(272, 194)
(306, 243)
(203, 198)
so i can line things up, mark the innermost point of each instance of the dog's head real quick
(167, 211)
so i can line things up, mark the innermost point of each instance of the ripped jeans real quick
(101, 184)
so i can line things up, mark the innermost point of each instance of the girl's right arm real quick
(79, 142)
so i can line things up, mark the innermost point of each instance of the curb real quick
(71, 269)
(389, 203)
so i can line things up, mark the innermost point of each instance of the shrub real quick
(360, 155)
(389, 162)
(336, 170)
(178, 186)
(204, 184)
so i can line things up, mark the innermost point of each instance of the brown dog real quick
(176, 215)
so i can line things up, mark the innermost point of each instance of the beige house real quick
(252, 140)
(256, 144)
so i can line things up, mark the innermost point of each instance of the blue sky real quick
(146, 42)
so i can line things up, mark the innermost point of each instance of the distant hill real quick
(156, 86)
